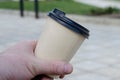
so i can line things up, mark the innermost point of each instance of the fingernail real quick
(68, 68)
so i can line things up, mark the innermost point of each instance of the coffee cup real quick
(61, 38)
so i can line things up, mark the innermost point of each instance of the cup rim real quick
(59, 16)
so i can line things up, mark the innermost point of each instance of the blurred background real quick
(99, 56)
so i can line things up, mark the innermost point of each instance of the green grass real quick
(68, 6)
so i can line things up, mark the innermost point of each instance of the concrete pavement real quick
(101, 3)
(97, 59)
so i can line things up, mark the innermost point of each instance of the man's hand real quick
(19, 63)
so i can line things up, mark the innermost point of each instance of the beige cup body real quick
(58, 42)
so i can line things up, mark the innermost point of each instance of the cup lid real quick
(60, 17)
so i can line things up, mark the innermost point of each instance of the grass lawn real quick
(68, 6)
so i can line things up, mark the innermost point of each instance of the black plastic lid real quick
(60, 17)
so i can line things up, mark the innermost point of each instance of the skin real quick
(19, 63)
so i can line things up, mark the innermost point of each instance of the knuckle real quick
(58, 68)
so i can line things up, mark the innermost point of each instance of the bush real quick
(108, 10)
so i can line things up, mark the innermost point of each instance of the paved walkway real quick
(97, 59)
(101, 3)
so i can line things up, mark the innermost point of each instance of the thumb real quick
(51, 67)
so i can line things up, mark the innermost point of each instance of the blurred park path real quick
(97, 59)
(102, 3)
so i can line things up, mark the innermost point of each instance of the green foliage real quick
(108, 10)
(68, 6)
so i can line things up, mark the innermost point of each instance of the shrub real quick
(108, 10)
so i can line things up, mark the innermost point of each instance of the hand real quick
(19, 63)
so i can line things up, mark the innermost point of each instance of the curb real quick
(17, 12)
(103, 20)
